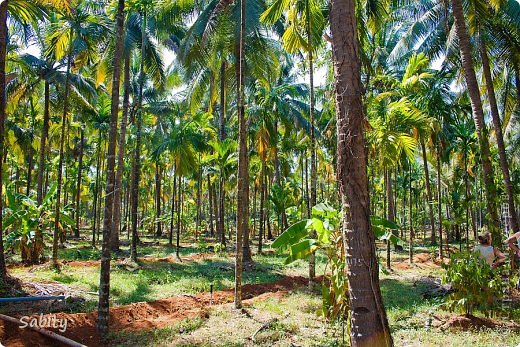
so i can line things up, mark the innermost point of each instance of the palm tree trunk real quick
(60, 163)
(243, 172)
(174, 189)
(211, 206)
(96, 189)
(263, 183)
(199, 202)
(478, 117)
(391, 211)
(312, 258)
(222, 115)
(428, 192)
(158, 232)
(179, 212)
(3, 102)
(439, 199)
(504, 165)
(78, 183)
(410, 226)
(368, 322)
(104, 278)
(114, 242)
(43, 140)
(137, 155)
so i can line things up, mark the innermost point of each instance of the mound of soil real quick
(420, 260)
(470, 322)
(81, 327)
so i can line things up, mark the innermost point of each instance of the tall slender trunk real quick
(78, 182)
(243, 172)
(199, 202)
(221, 215)
(439, 198)
(96, 189)
(466, 196)
(222, 135)
(504, 165)
(368, 322)
(312, 258)
(104, 278)
(410, 219)
(478, 117)
(158, 232)
(428, 192)
(172, 215)
(391, 211)
(61, 155)
(114, 242)
(36, 248)
(263, 183)
(211, 206)
(179, 213)
(3, 102)
(136, 168)
(215, 207)
(43, 140)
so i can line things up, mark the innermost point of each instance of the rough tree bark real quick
(243, 172)
(478, 118)
(504, 165)
(104, 278)
(369, 325)
(3, 102)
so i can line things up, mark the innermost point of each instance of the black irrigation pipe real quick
(32, 298)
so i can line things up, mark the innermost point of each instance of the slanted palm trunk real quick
(243, 172)
(114, 243)
(104, 278)
(3, 54)
(478, 117)
(504, 165)
(368, 322)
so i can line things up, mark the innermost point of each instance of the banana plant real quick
(23, 218)
(325, 222)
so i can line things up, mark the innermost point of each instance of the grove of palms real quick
(165, 150)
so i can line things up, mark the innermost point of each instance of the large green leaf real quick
(301, 250)
(384, 223)
(392, 238)
(290, 236)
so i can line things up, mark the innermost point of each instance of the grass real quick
(296, 321)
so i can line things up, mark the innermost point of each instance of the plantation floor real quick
(165, 301)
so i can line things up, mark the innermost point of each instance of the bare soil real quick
(140, 316)
(470, 322)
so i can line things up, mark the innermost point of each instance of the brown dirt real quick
(470, 322)
(148, 315)
(420, 260)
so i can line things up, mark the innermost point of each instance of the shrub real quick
(476, 286)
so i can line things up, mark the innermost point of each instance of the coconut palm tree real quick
(369, 325)
(478, 116)
(104, 278)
